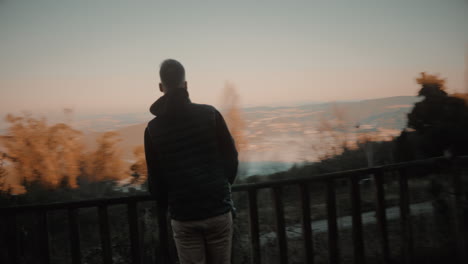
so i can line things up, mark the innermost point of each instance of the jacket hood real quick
(171, 103)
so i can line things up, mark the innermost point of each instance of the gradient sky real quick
(104, 55)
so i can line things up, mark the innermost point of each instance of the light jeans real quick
(206, 241)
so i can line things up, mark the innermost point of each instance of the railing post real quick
(74, 235)
(280, 226)
(306, 223)
(162, 254)
(358, 242)
(382, 215)
(44, 237)
(406, 229)
(460, 217)
(105, 234)
(254, 230)
(332, 225)
(132, 215)
(12, 238)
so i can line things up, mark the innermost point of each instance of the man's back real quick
(189, 150)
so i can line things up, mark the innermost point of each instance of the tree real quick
(43, 154)
(233, 116)
(105, 162)
(138, 169)
(439, 121)
(335, 133)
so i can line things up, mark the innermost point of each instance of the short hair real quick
(172, 73)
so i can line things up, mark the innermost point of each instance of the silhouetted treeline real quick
(438, 125)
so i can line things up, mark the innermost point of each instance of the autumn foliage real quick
(233, 116)
(55, 156)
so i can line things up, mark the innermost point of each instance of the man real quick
(192, 162)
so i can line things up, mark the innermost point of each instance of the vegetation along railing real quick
(400, 173)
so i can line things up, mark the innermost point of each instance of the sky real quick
(103, 56)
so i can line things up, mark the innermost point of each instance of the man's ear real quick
(161, 88)
(185, 85)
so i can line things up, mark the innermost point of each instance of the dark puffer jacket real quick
(191, 157)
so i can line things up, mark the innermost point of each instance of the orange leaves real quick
(431, 79)
(105, 162)
(53, 155)
(39, 152)
(233, 116)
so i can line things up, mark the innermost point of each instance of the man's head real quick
(172, 75)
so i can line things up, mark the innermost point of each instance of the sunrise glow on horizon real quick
(104, 56)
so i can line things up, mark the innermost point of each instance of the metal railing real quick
(454, 166)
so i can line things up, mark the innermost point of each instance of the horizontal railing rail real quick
(252, 189)
(461, 161)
